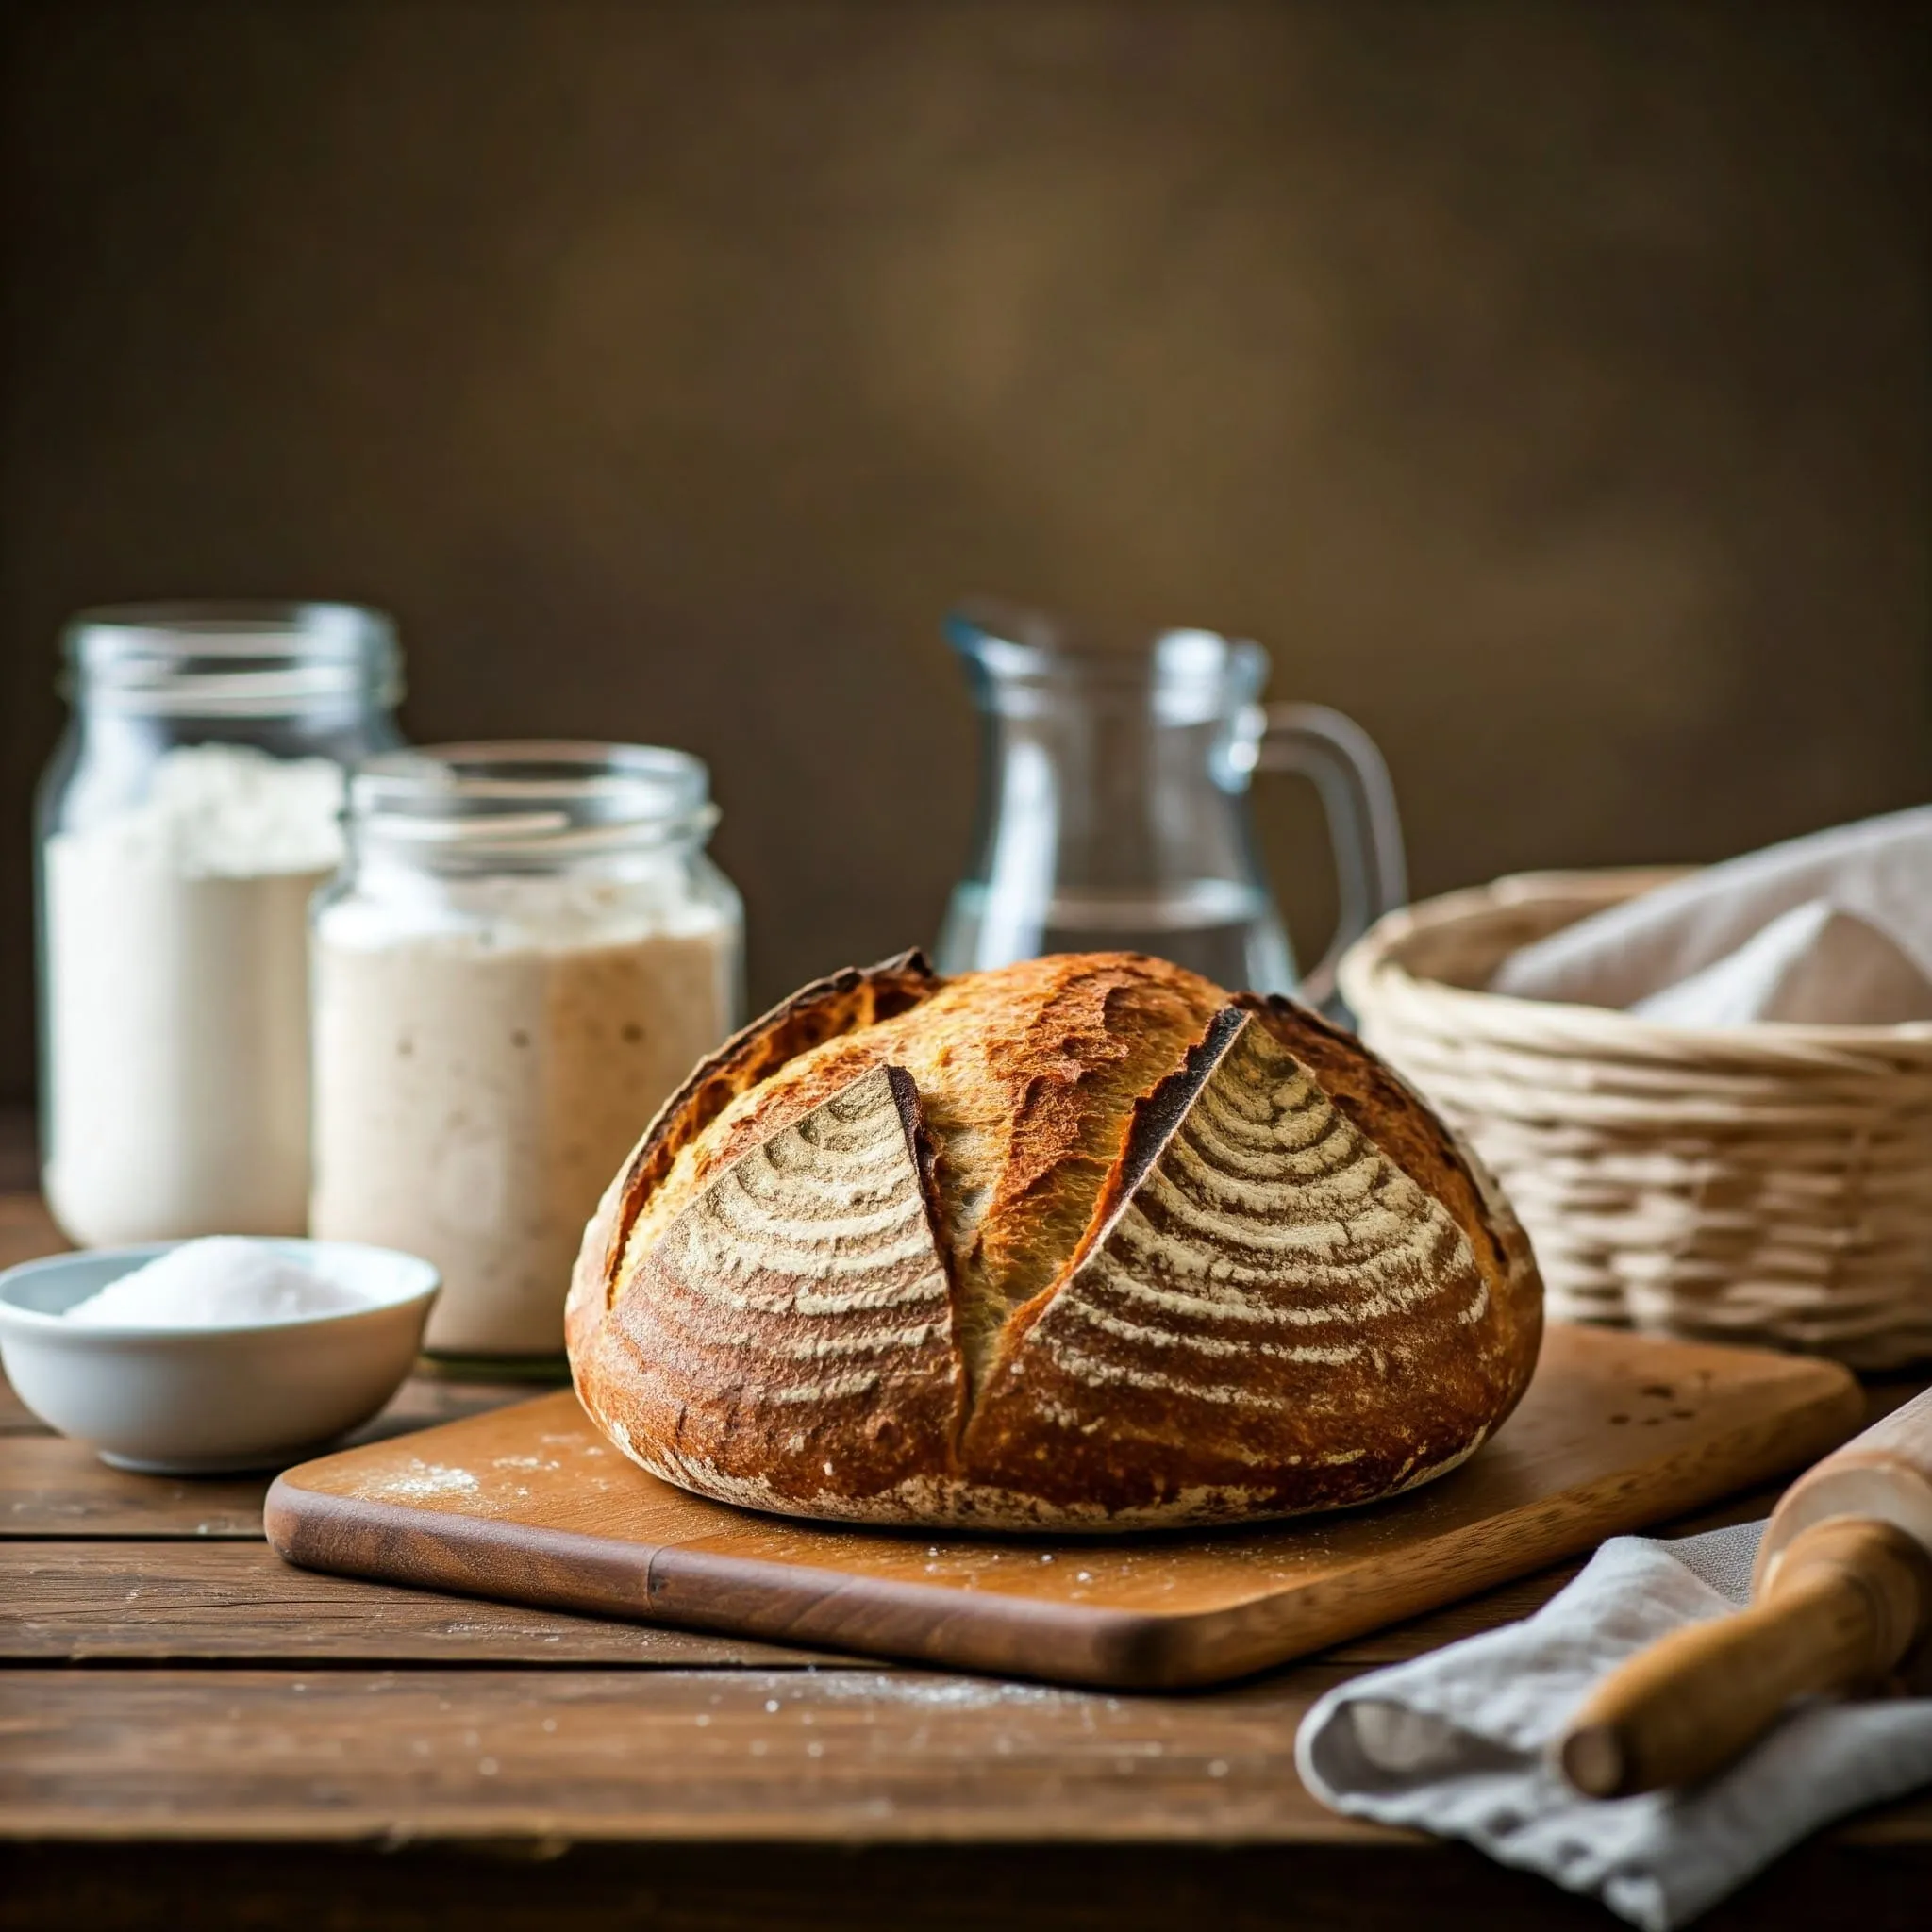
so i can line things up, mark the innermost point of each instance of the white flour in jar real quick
(475, 1089)
(176, 999)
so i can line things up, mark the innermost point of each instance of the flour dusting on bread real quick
(1083, 1243)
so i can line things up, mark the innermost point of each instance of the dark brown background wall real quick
(1544, 383)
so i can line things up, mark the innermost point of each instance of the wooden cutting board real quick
(531, 1504)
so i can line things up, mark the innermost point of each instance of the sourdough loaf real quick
(1082, 1244)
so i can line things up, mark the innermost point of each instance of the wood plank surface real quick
(237, 1601)
(532, 1504)
(50, 1486)
(179, 1600)
(847, 1755)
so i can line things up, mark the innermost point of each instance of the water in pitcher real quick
(1113, 811)
(1225, 931)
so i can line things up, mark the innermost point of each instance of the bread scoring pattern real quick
(1265, 1300)
(1263, 1310)
(1267, 1214)
(793, 1324)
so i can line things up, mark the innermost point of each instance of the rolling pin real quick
(1840, 1596)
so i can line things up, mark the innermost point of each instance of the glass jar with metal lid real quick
(526, 952)
(187, 815)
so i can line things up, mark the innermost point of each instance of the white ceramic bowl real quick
(196, 1400)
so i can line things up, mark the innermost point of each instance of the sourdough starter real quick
(476, 1088)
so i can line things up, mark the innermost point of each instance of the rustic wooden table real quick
(191, 1734)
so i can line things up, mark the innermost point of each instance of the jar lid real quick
(232, 659)
(531, 801)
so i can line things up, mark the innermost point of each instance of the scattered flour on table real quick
(938, 1694)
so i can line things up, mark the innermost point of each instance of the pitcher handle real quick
(1340, 759)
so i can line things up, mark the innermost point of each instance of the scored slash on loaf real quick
(1083, 1243)
(810, 1266)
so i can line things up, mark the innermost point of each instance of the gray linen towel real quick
(1457, 1742)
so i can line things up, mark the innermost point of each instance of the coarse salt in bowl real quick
(212, 1356)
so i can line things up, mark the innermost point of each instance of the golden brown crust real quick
(1126, 1253)
(1385, 1107)
(842, 1002)
(1269, 1317)
(819, 1359)
(856, 997)
(1027, 1077)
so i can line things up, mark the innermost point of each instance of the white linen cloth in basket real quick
(1835, 928)
(1458, 1744)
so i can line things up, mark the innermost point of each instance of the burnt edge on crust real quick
(1152, 1123)
(925, 1159)
(925, 1150)
(841, 1003)
(1158, 1112)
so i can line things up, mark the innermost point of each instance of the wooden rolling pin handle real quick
(1850, 1598)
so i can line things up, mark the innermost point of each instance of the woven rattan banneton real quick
(1769, 1183)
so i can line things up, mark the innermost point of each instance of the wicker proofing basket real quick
(1764, 1184)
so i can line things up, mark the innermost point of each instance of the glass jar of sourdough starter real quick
(523, 954)
(186, 817)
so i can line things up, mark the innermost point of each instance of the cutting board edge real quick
(389, 1542)
(691, 1587)
(666, 1584)
(1267, 1631)
(685, 1583)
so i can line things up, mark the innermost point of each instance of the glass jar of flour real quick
(524, 953)
(187, 816)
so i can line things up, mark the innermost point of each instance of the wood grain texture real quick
(422, 1400)
(237, 1601)
(54, 1487)
(846, 1756)
(531, 1504)
(50, 1486)
(216, 1807)
(853, 1756)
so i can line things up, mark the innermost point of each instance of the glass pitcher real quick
(1113, 808)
